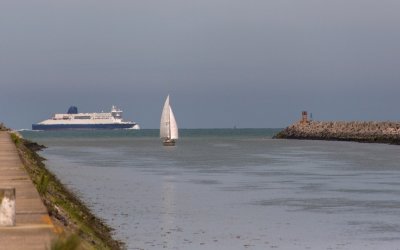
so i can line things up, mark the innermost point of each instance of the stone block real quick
(7, 206)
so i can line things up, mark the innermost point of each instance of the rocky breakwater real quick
(373, 132)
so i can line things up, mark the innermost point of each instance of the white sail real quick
(168, 126)
(165, 120)
(173, 125)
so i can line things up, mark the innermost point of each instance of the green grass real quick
(1, 196)
(43, 184)
(66, 243)
(15, 138)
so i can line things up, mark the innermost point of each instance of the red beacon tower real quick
(304, 117)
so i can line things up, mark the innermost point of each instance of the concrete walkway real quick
(33, 229)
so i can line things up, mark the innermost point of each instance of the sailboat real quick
(168, 126)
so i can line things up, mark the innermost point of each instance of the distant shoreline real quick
(358, 131)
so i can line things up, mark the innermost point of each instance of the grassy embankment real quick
(78, 227)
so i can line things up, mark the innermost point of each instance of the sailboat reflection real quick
(169, 212)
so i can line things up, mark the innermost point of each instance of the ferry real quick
(74, 120)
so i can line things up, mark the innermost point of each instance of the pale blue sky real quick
(224, 62)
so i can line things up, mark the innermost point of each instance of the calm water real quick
(232, 189)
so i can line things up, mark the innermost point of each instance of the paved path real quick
(33, 229)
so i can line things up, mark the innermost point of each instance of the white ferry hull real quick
(83, 126)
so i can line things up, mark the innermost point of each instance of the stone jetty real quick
(25, 221)
(360, 131)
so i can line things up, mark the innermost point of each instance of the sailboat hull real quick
(169, 143)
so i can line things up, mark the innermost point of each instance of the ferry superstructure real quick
(74, 120)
